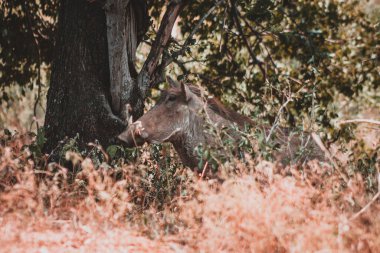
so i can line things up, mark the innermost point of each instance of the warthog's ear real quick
(185, 92)
(171, 82)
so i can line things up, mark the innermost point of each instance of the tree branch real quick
(251, 53)
(158, 76)
(126, 23)
(192, 33)
(160, 43)
(368, 121)
(377, 195)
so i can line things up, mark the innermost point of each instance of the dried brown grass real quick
(287, 215)
(263, 209)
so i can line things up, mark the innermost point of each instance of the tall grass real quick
(151, 204)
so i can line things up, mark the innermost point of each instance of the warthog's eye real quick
(172, 98)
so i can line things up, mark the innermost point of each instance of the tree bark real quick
(152, 73)
(79, 97)
(125, 26)
(93, 73)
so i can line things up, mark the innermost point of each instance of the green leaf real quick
(112, 150)
(41, 139)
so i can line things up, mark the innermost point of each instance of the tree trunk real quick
(93, 73)
(126, 24)
(79, 97)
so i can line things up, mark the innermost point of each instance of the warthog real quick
(180, 117)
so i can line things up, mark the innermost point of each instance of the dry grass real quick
(56, 236)
(45, 211)
(136, 207)
(288, 215)
(263, 209)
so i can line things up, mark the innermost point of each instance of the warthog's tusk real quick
(137, 128)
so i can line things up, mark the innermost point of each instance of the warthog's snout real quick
(134, 136)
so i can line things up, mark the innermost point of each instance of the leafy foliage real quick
(27, 31)
(268, 52)
(260, 52)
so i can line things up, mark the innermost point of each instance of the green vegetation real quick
(303, 65)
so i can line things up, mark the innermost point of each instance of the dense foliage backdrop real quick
(256, 55)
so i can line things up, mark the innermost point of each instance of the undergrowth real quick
(249, 203)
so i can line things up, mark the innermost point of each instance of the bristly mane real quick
(216, 106)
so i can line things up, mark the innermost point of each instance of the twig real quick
(192, 33)
(366, 207)
(100, 148)
(208, 79)
(277, 118)
(369, 121)
(271, 58)
(255, 32)
(181, 65)
(251, 53)
(158, 76)
(151, 70)
(320, 144)
(369, 203)
(204, 170)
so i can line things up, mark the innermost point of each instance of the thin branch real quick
(204, 170)
(100, 148)
(368, 121)
(275, 124)
(192, 33)
(254, 31)
(168, 59)
(208, 79)
(162, 39)
(251, 53)
(366, 207)
(369, 203)
(270, 58)
(181, 65)
(320, 144)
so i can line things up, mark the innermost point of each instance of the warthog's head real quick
(167, 120)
